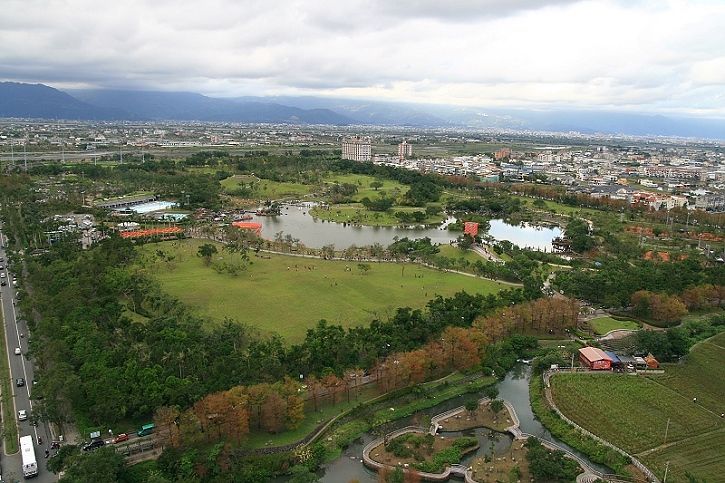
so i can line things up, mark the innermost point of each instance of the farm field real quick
(288, 295)
(632, 412)
(602, 325)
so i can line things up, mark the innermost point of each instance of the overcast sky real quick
(650, 56)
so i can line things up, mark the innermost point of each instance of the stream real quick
(514, 389)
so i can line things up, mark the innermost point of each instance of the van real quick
(146, 429)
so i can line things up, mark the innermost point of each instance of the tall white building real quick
(405, 150)
(357, 148)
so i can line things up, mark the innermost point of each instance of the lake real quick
(315, 233)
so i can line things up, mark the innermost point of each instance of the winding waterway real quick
(315, 233)
(514, 389)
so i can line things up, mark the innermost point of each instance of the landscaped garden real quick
(603, 325)
(424, 452)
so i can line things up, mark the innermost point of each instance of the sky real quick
(664, 56)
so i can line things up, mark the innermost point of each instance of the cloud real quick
(646, 55)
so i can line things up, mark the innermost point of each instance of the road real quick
(20, 367)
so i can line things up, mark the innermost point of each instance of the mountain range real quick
(21, 100)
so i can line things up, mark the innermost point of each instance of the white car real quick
(22, 415)
(17, 351)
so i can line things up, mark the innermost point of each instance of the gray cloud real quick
(642, 55)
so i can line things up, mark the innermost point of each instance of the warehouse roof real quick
(593, 354)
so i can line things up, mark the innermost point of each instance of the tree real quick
(363, 267)
(496, 406)
(104, 464)
(376, 184)
(471, 407)
(206, 251)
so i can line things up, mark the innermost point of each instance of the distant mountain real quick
(187, 106)
(376, 113)
(41, 101)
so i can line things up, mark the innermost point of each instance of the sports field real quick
(288, 295)
(632, 412)
(602, 325)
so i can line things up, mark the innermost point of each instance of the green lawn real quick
(632, 412)
(602, 325)
(267, 189)
(362, 181)
(358, 214)
(455, 252)
(288, 295)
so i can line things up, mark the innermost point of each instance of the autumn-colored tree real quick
(257, 395)
(274, 413)
(237, 417)
(166, 421)
(291, 391)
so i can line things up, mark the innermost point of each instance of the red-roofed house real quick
(595, 359)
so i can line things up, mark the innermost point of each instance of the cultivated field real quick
(632, 412)
(602, 325)
(288, 295)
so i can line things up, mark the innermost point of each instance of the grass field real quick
(602, 325)
(362, 181)
(357, 213)
(455, 252)
(632, 412)
(267, 189)
(288, 295)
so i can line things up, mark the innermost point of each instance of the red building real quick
(470, 228)
(595, 359)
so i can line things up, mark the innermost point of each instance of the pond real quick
(514, 388)
(296, 221)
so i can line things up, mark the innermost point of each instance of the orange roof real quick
(594, 354)
(151, 232)
(248, 225)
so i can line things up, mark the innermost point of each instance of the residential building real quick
(357, 148)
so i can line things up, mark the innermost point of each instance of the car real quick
(18, 351)
(20, 382)
(2, 268)
(94, 444)
(2, 275)
(120, 438)
(22, 415)
(3, 283)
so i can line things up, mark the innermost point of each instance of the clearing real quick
(288, 295)
(602, 325)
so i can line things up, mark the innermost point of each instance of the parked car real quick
(22, 415)
(3, 282)
(18, 351)
(20, 382)
(90, 446)
(120, 438)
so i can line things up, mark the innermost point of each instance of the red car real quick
(120, 438)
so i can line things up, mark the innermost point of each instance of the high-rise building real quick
(357, 148)
(405, 150)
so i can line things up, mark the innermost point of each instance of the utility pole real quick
(25, 155)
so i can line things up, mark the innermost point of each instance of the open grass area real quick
(9, 425)
(356, 213)
(267, 189)
(362, 181)
(602, 325)
(632, 412)
(288, 295)
(454, 252)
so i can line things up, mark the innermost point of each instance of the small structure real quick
(251, 226)
(470, 228)
(595, 359)
(652, 363)
(616, 361)
(640, 363)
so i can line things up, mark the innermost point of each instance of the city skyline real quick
(655, 57)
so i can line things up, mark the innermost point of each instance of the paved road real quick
(20, 367)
